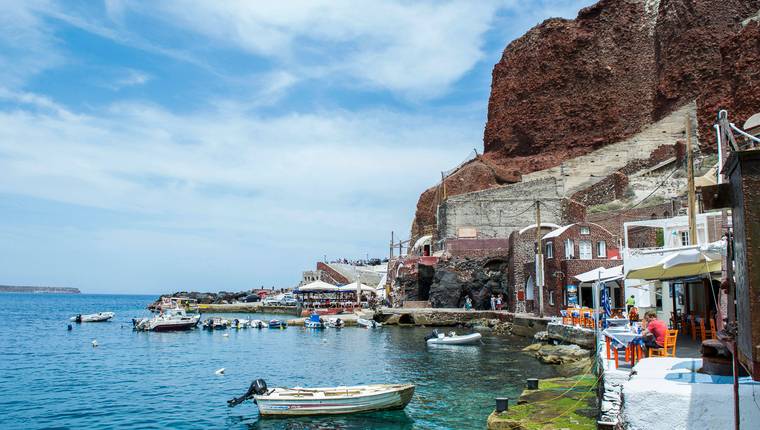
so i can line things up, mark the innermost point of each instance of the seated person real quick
(654, 335)
(633, 314)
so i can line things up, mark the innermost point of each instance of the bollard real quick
(532, 383)
(502, 404)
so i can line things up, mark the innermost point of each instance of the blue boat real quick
(277, 324)
(314, 321)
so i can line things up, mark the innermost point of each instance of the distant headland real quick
(29, 289)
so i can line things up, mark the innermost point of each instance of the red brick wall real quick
(332, 273)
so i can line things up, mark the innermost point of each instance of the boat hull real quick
(175, 326)
(387, 400)
(470, 339)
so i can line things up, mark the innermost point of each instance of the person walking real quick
(467, 303)
(499, 302)
(493, 302)
(629, 303)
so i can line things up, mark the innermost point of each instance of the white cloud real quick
(329, 174)
(131, 78)
(416, 49)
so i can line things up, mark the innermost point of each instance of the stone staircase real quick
(581, 172)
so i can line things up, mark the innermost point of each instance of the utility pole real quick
(539, 262)
(692, 192)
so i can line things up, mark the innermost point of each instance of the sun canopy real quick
(351, 288)
(611, 274)
(317, 286)
(685, 263)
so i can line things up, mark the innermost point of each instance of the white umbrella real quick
(352, 288)
(317, 286)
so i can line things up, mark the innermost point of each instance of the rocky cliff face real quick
(568, 87)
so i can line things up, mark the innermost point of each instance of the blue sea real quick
(51, 378)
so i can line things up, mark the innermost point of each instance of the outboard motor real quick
(78, 318)
(258, 387)
(432, 335)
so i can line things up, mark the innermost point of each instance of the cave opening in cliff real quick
(424, 281)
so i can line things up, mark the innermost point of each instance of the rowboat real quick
(368, 323)
(326, 401)
(453, 339)
(98, 317)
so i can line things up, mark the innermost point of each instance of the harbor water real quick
(51, 377)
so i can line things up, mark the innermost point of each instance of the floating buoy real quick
(69, 327)
(220, 371)
(94, 343)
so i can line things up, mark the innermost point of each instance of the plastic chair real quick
(671, 338)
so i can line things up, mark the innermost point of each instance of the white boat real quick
(335, 323)
(240, 323)
(170, 320)
(98, 317)
(314, 321)
(453, 339)
(368, 323)
(258, 324)
(326, 401)
(216, 323)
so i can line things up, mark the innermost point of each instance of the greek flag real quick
(605, 304)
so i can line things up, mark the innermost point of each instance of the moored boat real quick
(278, 324)
(215, 323)
(335, 323)
(314, 321)
(98, 317)
(326, 400)
(258, 324)
(368, 323)
(452, 338)
(170, 320)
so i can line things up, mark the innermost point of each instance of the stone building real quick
(569, 251)
(522, 245)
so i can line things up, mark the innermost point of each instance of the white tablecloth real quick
(623, 337)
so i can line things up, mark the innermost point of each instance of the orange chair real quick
(707, 332)
(695, 329)
(566, 318)
(671, 338)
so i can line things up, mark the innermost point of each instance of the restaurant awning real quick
(316, 286)
(694, 261)
(609, 274)
(351, 288)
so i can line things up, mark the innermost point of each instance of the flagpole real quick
(598, 322)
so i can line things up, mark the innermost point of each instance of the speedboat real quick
(257, 324)
(326, 401)
(452, 338)
(336, 323)
(314, 321)
(368, 323)
(215, 323)
(170, 320)
(278, 324)
(98, 317)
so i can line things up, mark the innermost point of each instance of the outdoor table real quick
(623, 336)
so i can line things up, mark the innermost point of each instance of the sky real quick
(150, 147)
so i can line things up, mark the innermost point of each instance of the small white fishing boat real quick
(453, 339)
(169, 320)
(258, 324)
(98, 317)
(216, 323)
(368, 323)
(335, 323)
(326, 401)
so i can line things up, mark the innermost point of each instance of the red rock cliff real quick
(568, 87)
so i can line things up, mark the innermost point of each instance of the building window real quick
(584, 248)
(550, 249)
(684, 238)
(601, 249)
(585, 230)
(551, 298)
(569, 249)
